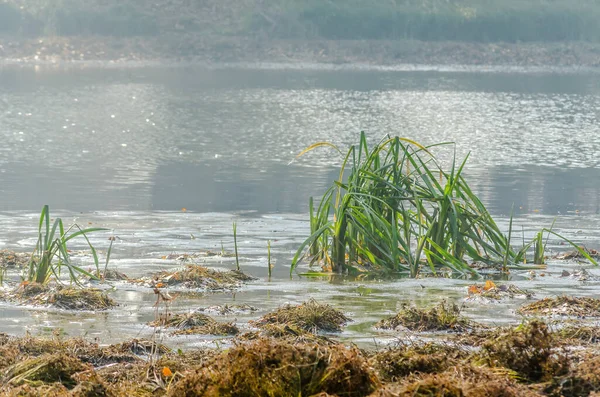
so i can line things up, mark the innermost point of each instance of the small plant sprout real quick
(269, 264)
(237, 259)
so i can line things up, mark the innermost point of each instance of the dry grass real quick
(400, 361)
(62, 297)
(310, 316)
(563, 305)
(194, 323)
(197, 277)
(279, 368)
(443, 317)
(529, 350)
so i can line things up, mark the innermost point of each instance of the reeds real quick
(51, 254)
(398, 210)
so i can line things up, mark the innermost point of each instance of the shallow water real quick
(128, 148)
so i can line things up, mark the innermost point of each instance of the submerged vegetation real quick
(398, 210)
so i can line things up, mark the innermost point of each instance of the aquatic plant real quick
(269, 264)
(237, 258)
(396, 209)
(51, 254)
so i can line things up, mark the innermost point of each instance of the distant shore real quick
(186, 48)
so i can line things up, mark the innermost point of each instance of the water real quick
(129, 148)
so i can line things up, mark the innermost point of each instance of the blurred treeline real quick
(429, 20)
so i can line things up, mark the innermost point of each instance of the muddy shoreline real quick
(193, 48)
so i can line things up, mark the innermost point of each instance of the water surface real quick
(129, 148)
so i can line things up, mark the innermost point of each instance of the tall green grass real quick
(398, 210)
(51, 255)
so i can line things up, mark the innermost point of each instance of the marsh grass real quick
(51, 254)
(396, 209)
(237, 258)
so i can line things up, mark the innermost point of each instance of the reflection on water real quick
(221, 140)
(130, 148)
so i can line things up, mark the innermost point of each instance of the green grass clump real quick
(396, 209)
(51, 254)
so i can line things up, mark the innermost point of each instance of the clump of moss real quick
(527, 350)
(194, 323)
(563, 305)
(310, 316)
(45, 369)
(196, 276)
(444, 316)
(395, 363)
(269, 367)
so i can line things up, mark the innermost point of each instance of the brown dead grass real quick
(529, 350)
(403, 360)
(563, 305)
(443, 317)
(310, 316)
(63, 297)
(279, 368)
(194, 323)
(197, 277)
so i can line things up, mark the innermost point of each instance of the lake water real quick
(129, 148)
